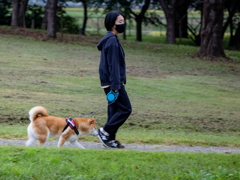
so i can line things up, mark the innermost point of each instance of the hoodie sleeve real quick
(114, 66)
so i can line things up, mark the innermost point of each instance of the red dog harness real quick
(70, 122)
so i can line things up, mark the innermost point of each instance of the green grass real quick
(65, 163)
(176, 99)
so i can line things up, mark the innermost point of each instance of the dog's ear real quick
(92, 120)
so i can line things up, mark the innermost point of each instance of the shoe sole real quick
(109, 147)
(102, 141)
(106, 146)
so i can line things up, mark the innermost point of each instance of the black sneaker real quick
(115, 144)
(103, 137)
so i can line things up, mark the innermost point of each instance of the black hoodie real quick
(112, 68)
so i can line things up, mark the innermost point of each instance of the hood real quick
(104, 40)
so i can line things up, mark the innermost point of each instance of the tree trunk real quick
(45, 17)
(181, 27)
(181, 19)
(231, 39)
(83, 29)
(15, 14)
(211, 30)
(139, 19)
(199, 37)
(139, 28)
(169, 8)
(51, 25)
(236, 38)
(22, 12)
(232, 8)
(171, 38)
(195, 32)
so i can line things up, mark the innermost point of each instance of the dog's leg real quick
(76, 144)
(31, 136)
(31, 141)
(44, 136)
(42, 139)
(61, 140)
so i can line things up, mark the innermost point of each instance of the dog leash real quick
(101, 107)
(111, 98)
(83, 115)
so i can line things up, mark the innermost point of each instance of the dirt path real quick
(140, 147)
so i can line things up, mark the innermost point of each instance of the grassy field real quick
(21, 163)
(176, 99)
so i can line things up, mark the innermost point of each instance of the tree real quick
(181, 19)
(51, 20)
(86, 4)
(22, 12)
(15, 13)
(232, 7)
(197, 5)
(139, 18)
(45, 17)
(235, 40)
(126, 7)
(211, 30)
(85, 16)
(5, 10)
(169, 7)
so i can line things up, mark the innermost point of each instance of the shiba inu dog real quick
(42, 126)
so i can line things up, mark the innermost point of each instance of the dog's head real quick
(93, 127)
(87, 126)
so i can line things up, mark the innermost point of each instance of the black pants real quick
(118, 112)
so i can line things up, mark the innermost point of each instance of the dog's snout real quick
(94, 132)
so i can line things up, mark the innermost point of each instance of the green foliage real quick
(5, 17)
(70, 24)
(34, 13)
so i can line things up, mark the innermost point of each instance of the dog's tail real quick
(36, 111)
